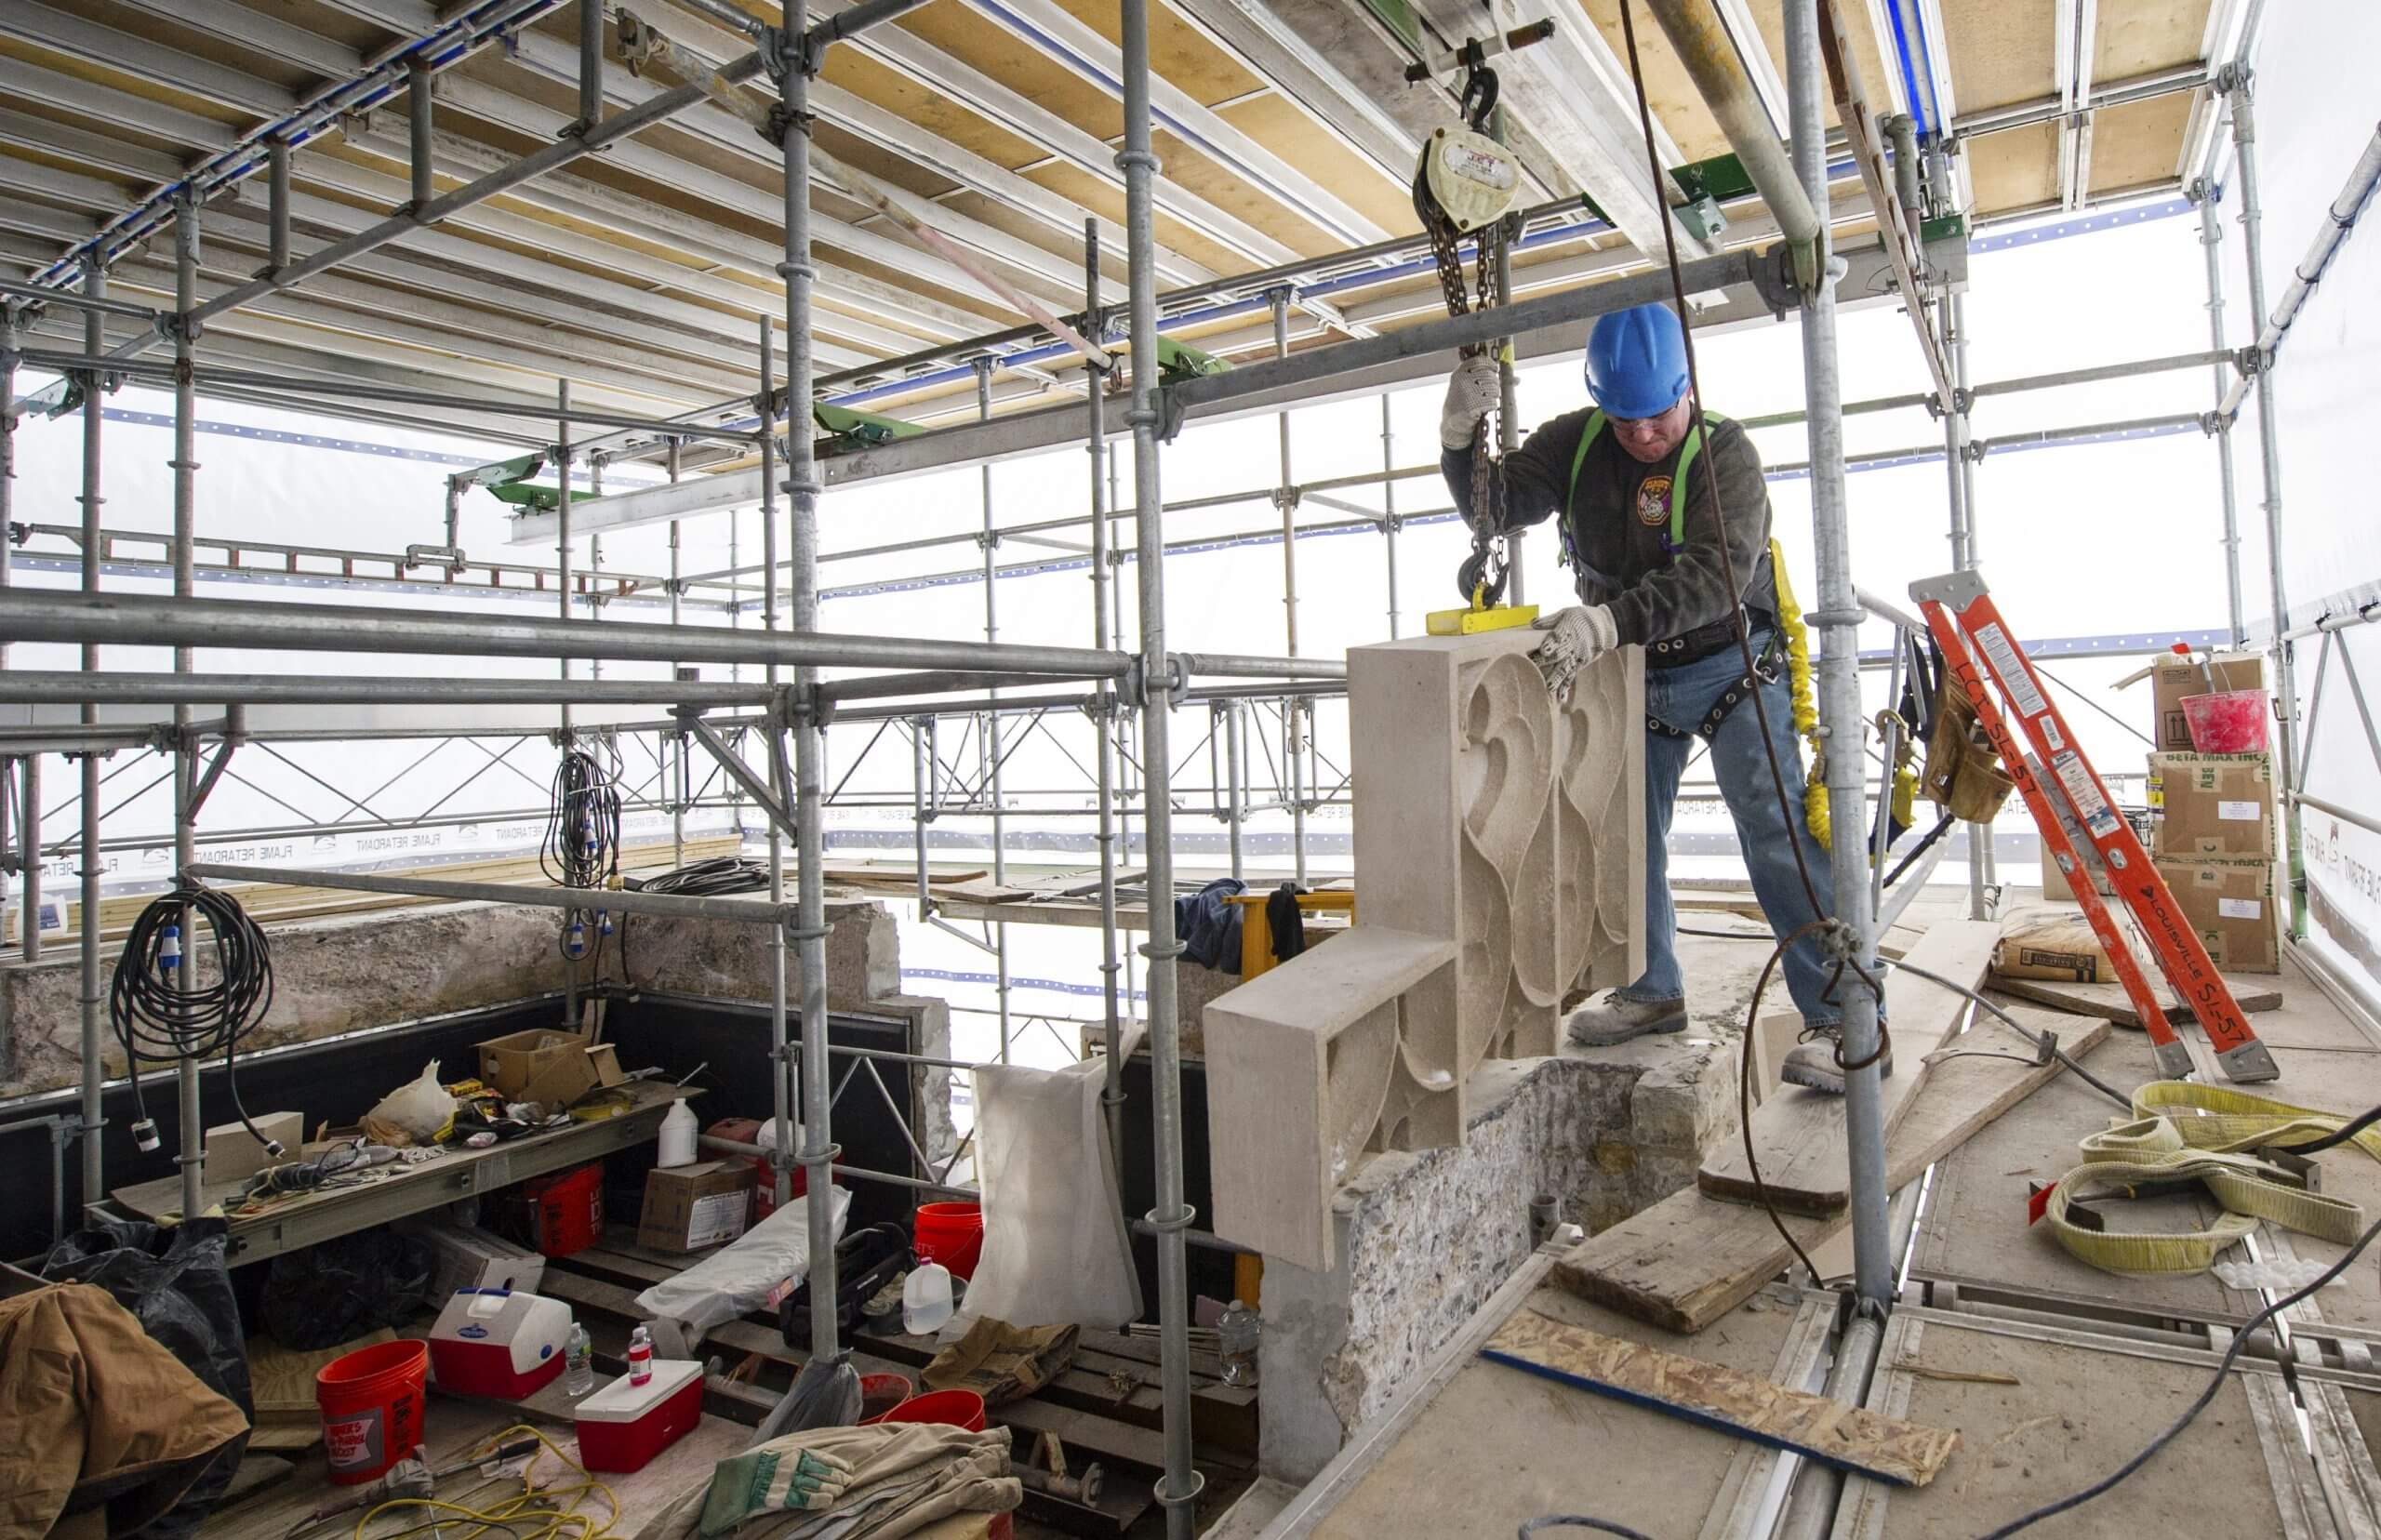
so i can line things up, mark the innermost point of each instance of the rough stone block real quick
(1308, 1072)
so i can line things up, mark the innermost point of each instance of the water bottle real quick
(1237, 1330)
(578, 1362)
(640, 1355)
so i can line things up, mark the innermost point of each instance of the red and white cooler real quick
(499, 1341)
(623, 1425)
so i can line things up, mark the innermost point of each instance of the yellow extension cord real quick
(513, 1516)
(2186, 1131)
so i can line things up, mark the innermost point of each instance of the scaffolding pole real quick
(1838, 618)
(94, 392)
(991, 736)
(2244, 147)
(1178, 1492)
(192, 1159)
(780, 1087)
(802, 486)
(2211, 236)
(1103, 714)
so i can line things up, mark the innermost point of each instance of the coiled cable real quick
(162, 1013)
(582, 847)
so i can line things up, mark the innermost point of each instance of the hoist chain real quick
(1486, 571)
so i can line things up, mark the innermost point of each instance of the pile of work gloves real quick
(848, 1484)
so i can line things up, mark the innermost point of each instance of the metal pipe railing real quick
(751, 911)
(46, 687)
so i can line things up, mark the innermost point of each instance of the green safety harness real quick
(1673, 542)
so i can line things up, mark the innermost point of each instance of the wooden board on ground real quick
(1717, 1396)
(1689, 1259)
(1797, 1134)
(2110, 1002)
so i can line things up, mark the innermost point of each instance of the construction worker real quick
(1633, 501)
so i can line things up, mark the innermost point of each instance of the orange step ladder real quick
(2082, 830)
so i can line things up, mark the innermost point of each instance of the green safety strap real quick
(1688, 452)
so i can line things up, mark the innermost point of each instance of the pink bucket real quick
(2230, 721)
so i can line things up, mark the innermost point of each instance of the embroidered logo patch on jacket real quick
(1653, 502)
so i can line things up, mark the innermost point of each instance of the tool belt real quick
(1766, 667)
(2229, 1143)
(1963, 775)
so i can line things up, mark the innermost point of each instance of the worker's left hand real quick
(1575, 638)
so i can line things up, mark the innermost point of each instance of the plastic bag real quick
(1056, 1249)
(344, 1287)
(420, 1109)
(176, 1283)
(752, 1272)
(824, 1394)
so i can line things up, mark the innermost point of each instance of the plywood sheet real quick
(2140, 143)
(2347, 1082)
(1799, 1134)
(2110, 1003)
(2136, 36)
(1689, 1259)
(1282, 126)
(1714, 1395)
(2001, 50)
(2014, 169)
(2073, 1415)
(1498, 1446)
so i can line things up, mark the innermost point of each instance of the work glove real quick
(1575, 638)
(1473, 392)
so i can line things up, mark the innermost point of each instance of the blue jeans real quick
(1679, 697)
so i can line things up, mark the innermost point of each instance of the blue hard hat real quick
(1637, 362)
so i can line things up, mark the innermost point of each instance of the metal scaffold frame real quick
(1129, 694)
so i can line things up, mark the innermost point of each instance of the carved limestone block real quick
(1307, 1075)
(1484, 816)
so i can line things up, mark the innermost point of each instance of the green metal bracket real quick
(1944, 227)
(1399, 18)
(847, 428)
(1178, 361)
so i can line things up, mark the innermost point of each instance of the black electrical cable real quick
(581, 846)
(162, 1013)
(2215, 1382)
(1578, 1521)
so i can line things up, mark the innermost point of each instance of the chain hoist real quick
(1462, 187)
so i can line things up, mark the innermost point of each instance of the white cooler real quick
(499, 1341)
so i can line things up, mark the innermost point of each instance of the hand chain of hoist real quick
(1446, 255)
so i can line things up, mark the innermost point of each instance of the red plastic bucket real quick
(958, 1408)
(951, 1234)
(371, 1401)
(881, 1395)
(2230, 721)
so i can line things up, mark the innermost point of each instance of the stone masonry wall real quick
(1424, 1238)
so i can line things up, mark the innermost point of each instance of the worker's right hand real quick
(1471, 394)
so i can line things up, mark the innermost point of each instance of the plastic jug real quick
(678, 1127)
(925, 1299)
(1237, 1332)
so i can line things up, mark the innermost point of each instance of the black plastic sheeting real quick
(340, 1288)
(176, 1285)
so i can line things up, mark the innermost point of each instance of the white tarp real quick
(2312, 85)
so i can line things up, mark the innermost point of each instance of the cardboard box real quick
(554, 1068)
(2214, 807)
(688, 1208)
(232, 1155)
(2173, 677)
(464, 1256)
(2232, 907)
(2052, 943)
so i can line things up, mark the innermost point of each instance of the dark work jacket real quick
(1618, 521)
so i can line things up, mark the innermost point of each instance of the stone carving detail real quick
(1499, 854)
(1308, 1076)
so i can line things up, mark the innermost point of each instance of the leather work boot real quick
(1611, 1020)
(1812, 1061)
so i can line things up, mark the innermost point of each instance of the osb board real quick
(1676, 105)
(2001, 52)
(1974, 1226)
(1689, 1259)
(1714, 1395)
(1282, 126)
(2014, 169)
(2136, 36)
(2074, 1415)
(2139, 142)
(1498, 1446)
